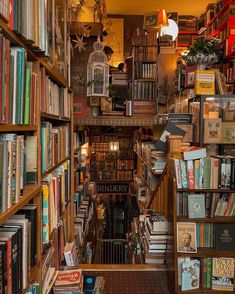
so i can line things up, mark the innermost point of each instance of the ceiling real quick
(192, 7)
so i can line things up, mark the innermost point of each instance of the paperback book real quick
(196, 205)
(190, 275)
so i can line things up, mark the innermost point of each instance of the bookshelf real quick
(107, 165)
(209, 112)
(208, 242)
(34, 96)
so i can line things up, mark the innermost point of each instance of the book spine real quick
(207, 172)
(183, 174)
(201, 173)
(190, 173)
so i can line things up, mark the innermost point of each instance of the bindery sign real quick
(118, 188)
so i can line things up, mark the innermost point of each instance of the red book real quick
(190, 173)
(9, 263)
(11, 16)
(69, 277)
(1, 72)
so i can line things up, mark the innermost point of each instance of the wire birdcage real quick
(98, 72)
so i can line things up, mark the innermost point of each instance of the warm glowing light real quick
(114, 145)
(171, 30)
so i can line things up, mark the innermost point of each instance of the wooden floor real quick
(133, 282)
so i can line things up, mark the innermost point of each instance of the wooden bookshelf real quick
(202, 252)
(29, 193)
(35, 53)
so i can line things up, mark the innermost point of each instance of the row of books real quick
(192, 236)
(143, 38)
(144, 90)
(55, 194)
(205, 173)
(18, 167)
(205, 205)
(187, 23)
(18, 85)
(145, 54)
(18, 243)
(55, 143)
(145, 70)
(29, 19)
(54, 99)
(215, 273)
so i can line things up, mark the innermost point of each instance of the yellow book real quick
(204, 82)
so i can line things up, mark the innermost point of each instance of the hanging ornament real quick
(79, 43)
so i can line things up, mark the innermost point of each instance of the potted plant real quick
(203, 52)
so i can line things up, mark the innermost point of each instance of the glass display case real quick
(213, 119)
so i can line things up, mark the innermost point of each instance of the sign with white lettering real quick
(118, 188)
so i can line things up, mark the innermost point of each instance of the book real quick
(196, 205)
(70, 254)
(194, 152)
(190, 275)
(69, 277)
(186, 237)
(222, 274)
(224, 236)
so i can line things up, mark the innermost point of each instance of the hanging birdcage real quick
(98, 72)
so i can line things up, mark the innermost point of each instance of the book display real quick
(214, 120)
(36, 134)
(203, 218)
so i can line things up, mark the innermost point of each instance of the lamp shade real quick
(171, 30)
(162, 18)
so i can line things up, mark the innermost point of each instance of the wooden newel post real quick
(174, 145)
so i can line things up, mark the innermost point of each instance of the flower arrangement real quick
(203, 52)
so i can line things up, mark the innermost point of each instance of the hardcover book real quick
(224, 236)
(186, 237)
(223, 274)
(190, 275)
(196, 205)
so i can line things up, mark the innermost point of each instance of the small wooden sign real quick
(112, 188)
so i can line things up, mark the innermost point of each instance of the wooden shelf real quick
(218, 30)
(53, 72)
(188, 33)
(207, 190)
(216, 219)
(3, 18)
(29, 193)
(18, 128)
(54, 167)
(207, 252)
(224, 8)
(54, 117)
(204, 290)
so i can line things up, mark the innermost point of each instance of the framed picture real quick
(228, 133)
(151, 20)
(212, 130)
(190, 76)
(94, 101)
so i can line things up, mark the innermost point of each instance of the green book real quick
(207, 173)
(209, 272)
(27, 92)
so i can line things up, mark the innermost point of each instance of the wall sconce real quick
(98, 72)
(163, 20)
(114, 146)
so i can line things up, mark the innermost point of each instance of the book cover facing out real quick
(225, 236)
(170, 129)
(186, 237)
(196, 205)
(223, 274)
(190, 272)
